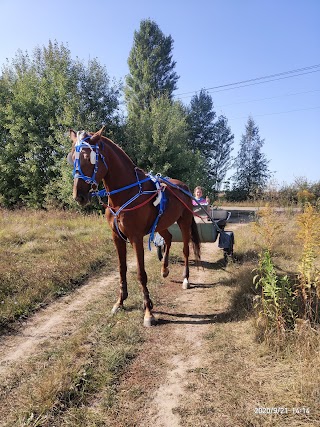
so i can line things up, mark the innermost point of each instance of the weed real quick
(277, 305)
(308, 270)
(269, 226)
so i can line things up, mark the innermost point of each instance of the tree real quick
(161, 141)
(252, 171)
(212, 137)
(44, 95)
(201, 121)
(151, 68)
(220, 160)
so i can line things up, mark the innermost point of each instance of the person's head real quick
(198, 192)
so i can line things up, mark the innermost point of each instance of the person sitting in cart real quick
(199, 199)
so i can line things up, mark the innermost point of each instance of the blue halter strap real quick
(94, 157)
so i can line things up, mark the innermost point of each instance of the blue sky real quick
(215, 43)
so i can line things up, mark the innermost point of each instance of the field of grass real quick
(45, 255)
(74, 381)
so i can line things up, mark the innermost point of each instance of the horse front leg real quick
(149, 319)
(168, 239)
(121, 247)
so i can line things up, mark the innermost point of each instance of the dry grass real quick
(44, 255)
(62, 384)
(243, 373)
(92, 379)
(73, 377)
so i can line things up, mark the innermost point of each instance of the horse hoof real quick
(165, 272)
(185, 284)
(149, 321)
(116, 308)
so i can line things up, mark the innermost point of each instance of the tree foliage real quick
(201, 121)
(151, 68)
(161, 136)
(212, 137)
(41, 97)
(220, 159)
(156, 125)
(252, 171)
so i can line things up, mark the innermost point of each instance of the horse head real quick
(89, 166)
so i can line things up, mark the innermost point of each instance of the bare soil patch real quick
(59, 318)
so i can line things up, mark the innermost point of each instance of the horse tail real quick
(195, 238)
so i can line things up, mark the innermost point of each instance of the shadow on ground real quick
(193, 319)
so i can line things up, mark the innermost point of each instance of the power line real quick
(253, 84)
(256, 80)
(270, 97)
(273, 114)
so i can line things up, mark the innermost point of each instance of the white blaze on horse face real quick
(80, 136)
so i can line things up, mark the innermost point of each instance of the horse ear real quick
(96, 137)
(73, 135)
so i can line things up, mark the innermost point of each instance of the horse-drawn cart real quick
(211, 223)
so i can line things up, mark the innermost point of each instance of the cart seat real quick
(202, 210)
(219, 214)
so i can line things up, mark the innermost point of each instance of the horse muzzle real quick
(81, 198)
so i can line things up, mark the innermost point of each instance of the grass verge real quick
(45, 255)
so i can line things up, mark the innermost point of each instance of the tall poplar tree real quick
(151, 68)
(252, 172)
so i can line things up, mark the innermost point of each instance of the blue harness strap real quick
(161, 209)
(77, 172)
(116, 214)
(105, 193)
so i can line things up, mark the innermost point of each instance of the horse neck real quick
(121, 170)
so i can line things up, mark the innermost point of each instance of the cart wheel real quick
(160, 251)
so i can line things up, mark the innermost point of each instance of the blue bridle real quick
(94, 160)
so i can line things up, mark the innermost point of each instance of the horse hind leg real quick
(184, 224)
(165, 262)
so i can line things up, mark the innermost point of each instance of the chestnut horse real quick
(138, 204)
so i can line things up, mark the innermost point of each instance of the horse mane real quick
(119, 150)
